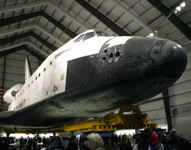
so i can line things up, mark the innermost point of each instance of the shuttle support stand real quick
(114, 121)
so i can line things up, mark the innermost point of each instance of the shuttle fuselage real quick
(92, 75)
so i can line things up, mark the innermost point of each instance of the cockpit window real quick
(88, 35)
(100, 33)
(79, 38)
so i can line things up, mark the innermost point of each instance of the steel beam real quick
(103, 19)
(23, 35)
(167, 108)
(11, 20)
(31, 27)
(14, 38)
(50, 46)
(175, 20)
(33, 53)
(26, 43)
(13, 50)
(40, 3)
(135, 17)
(59, 25)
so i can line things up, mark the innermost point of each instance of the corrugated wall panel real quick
(157, 96)
(182, 126)
(15, 70)
(185, 76)
(15, 77)
(188, 64)
(1, 60)
(1, 71)
(180, 99)
(151, 106)
(15, 62)
(157, 114)
(187, 47)
(160, 122)
(180, 88)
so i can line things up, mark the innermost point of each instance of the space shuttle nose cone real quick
(173, 60)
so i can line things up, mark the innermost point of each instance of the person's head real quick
(124, 137)
(94, 141)
(172, 132)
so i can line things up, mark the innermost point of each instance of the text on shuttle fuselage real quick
(60, 53)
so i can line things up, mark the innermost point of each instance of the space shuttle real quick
(90, 76)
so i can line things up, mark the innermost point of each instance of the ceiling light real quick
(183, 4)
(151, 34)
(178, 8)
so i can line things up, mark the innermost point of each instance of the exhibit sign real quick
(181, 110)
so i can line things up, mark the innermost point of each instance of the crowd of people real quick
(172, 141)
(152, 141)
(94, 141)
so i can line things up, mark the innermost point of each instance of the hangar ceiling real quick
(44, 25)
(38, 27)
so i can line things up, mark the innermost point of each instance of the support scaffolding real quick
(113, 121)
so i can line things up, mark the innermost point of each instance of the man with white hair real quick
(95, 142)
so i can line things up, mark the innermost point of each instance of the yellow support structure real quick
(113, 121)
(124, 126)
(7, 130)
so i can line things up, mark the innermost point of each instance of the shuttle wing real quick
(6, 114)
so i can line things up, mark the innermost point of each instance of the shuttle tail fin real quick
(28, 70)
